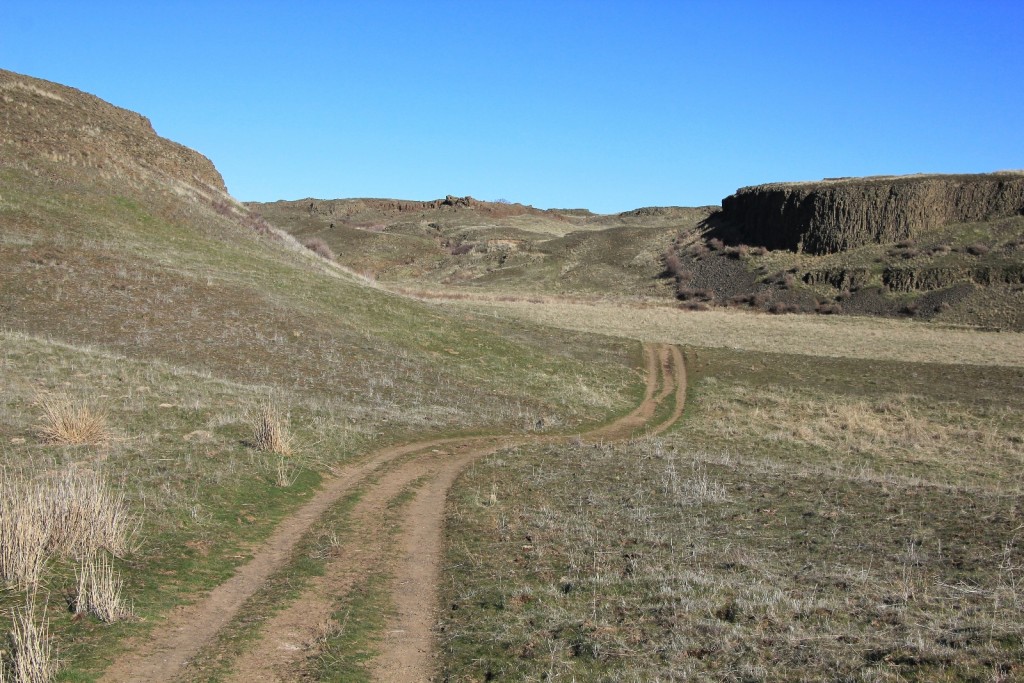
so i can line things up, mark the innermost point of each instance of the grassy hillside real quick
(491, 247)
(131, 285)
(914, 256)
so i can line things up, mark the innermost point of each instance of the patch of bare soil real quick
(290, 637)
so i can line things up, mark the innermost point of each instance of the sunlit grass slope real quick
(132, 284)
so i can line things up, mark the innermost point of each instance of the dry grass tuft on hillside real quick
(69, 422)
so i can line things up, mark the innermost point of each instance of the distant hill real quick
(944, 248)
(495, 247)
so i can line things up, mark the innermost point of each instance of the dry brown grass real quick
(69, 422)
(99, 590)
(270, 432)
(72, 514)
(897, 432)
(834, 336)
(32, 657)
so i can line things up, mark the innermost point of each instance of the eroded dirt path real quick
(289, 638)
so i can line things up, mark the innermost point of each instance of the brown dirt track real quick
(412, 558)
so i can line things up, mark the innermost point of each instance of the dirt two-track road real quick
(412, 558)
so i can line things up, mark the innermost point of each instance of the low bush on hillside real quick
(320, 248)
(684, 293)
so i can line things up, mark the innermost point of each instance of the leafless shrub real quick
(32, 657)
(71, 423)
(788, 281)
(754, 300)
(715, 244)
(320, 248)
(259, 225)
(693, 306)
(269, 432)
(978, 249)
(99, 590)
(758, 251)
(461, 249)
(697, 250)
(827, 308)
(673, 265)
(223, 207)
(738, 252)
(690, 294)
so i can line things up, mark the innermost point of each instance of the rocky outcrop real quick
(43, 121)
(833, 215)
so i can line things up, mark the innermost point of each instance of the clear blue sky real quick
(604, 105)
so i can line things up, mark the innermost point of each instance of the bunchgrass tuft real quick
(31, 657)
(270, 432)
(72, 514)
(99, 590)
(72, 423)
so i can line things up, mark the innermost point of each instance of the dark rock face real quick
(834, 215)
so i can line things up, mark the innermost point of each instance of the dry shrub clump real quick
(99, 590)
(320, 248)
(31, 657)
(70, 423)
(673, 264)
(269, 431)
(72, 514)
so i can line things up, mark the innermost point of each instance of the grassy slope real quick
(961, 274)
(530, 252)
(824, 519)
(176, 317)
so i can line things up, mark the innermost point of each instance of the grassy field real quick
(811, 519)
(176, 321)
(825, 336)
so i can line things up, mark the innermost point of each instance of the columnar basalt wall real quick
(833, 215)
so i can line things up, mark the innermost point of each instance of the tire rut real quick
(289, 637)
